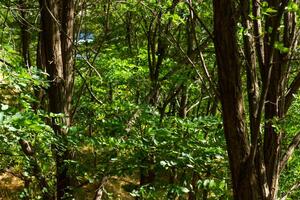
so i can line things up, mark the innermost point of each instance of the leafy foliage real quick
(126, 53)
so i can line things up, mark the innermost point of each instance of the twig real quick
(293, 188)
(6, 63)
(295, 142)
(89, 89)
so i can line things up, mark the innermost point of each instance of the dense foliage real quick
(145, 103)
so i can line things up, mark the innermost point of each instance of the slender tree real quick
(25, 35)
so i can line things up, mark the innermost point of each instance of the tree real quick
(57, 24)
(144, 105)
(256, 155)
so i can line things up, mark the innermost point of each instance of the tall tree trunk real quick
(244, 179)
(255, 164)
(67, 33)
(275, 106)
(57, 45)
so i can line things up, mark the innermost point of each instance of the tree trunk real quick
(59, 65)
(25, 35)
(256, 164)
(67, 32)
(243, 173)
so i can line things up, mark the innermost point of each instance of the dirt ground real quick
(10, 186)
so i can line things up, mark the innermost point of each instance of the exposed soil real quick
(10, 186)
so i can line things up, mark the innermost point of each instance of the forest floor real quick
(10, 186)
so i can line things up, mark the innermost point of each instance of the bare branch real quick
(197, 71)
(89, 89)
(295, 142)
(6, 63)
(99, 191)
(200, 21)
(293, 188)
(132, 120)
(192, 106)
(294, 87)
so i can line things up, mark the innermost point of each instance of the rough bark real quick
(244, 180)
(275, 96)
(67, 32)
(57, 43)
(255, 164)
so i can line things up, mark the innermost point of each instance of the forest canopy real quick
(149, 99)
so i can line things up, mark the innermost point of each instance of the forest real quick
(149, 100)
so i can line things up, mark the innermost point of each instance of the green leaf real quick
(206, 182)
(184, 189)
(1, 116)
(4, 107)
(280, 46)
(292, 7)
(270, 11)
(12, 129)
(212, 184)
(163, 163)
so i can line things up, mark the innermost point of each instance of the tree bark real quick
(57, 43)
(255, 164)
(25, 35)
(244, 179)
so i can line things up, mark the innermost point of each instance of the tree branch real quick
(294, 187)
(89, 89)
(294, 87)
(295, 142)
(200, 21)
(6, 63)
